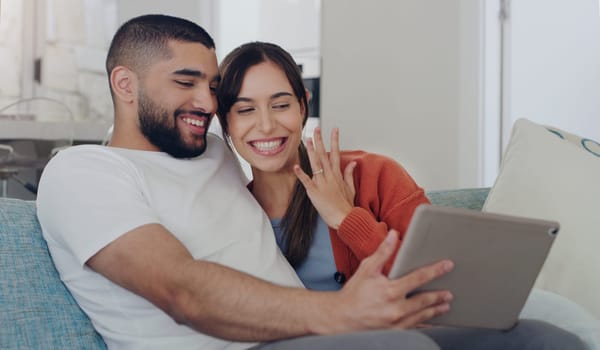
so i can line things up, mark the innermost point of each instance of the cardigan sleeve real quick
(386, 197)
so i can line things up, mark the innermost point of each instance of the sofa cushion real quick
(36, 310)
(555, 309)
(549, 176)
(470, 198)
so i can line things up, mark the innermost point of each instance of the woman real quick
(325, 223)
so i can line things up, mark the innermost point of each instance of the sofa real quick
(36, 309)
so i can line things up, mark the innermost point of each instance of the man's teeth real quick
(194, 122)
(265, 146)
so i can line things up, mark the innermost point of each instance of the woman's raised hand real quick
(330, 191)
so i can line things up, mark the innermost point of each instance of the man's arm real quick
(229, 304)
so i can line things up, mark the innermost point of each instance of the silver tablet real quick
(496, 261)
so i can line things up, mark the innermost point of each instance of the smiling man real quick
(175, 81)
(162, 245)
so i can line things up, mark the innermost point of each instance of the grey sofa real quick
(36, 309)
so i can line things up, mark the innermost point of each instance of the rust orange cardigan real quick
(386, 198)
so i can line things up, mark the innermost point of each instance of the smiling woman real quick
(324, 223)
(252, 120)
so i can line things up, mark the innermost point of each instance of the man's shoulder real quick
(82, 149)
(83, 156)
(87, 166)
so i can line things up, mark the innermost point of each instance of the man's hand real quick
(370, 300)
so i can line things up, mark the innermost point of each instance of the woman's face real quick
(265, 122)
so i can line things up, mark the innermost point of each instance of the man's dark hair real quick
(142, 40)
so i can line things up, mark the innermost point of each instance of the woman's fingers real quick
(315, 164)
(321, 152)
(329, 162)
(330, 191)
(304, 179)
(334, 155)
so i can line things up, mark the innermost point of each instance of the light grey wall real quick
(552, 65)
(295, 25)
(188, 9)
(402, 78)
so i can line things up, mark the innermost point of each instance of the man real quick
(161, 244)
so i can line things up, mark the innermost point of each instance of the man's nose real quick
(204, 99)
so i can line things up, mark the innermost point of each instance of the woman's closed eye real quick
(245, 110)
(281, 106)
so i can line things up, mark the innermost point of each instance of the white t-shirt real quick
(90, 195)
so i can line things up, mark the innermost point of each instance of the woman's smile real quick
(267, 147)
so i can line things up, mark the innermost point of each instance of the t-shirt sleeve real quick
(89, 197)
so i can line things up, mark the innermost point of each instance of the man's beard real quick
(162, 131)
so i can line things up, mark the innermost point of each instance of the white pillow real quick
(550, 177)
(557, 310)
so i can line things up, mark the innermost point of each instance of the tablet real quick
(496, 261)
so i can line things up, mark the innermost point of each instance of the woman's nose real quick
(266, 122)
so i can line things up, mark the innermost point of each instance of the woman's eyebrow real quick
(272, 97)
(280, 94)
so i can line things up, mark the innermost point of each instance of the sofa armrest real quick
(36, 309)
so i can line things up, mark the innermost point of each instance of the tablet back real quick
(497, 259)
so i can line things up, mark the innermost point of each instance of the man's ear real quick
(124, 84)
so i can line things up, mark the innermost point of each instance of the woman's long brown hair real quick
(299, 222)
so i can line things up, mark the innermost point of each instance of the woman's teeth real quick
(266, 146)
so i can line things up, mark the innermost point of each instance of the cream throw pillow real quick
(549, 174)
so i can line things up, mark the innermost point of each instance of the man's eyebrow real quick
(190, 72)
(196, 73)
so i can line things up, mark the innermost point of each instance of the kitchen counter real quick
(90, 131)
